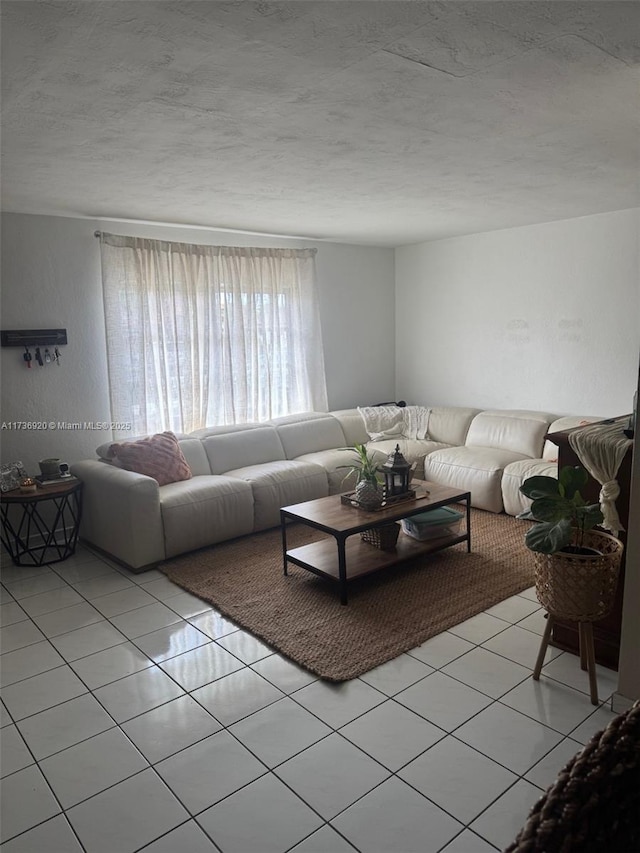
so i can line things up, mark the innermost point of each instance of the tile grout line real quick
(386, 698)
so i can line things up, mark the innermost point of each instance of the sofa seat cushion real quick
(413, 450)
(514, 476)
(281, 483)
(473, 469)
(204, 510)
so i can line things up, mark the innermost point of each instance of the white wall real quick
(51, 279)
(544, 317)
(541, 317)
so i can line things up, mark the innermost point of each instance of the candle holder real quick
(397, 474)
(28, 485)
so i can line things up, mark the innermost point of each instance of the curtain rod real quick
(223, 230)
(99, 234)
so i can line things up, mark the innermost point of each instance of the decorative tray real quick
(350, 500)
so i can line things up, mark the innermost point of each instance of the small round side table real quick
(41, 527)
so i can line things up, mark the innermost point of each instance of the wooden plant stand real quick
(580, 589)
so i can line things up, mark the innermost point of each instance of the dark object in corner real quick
(401, 403)
(594, 804)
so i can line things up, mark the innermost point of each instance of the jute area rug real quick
(388, 613)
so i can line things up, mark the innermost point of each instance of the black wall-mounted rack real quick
(33, 337)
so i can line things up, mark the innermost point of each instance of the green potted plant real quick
(576, 567)
(365, 469)
(562, 513)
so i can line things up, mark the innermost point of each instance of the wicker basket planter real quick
(383, 537)
(578, 587)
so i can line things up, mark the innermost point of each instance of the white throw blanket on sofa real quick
(384, 422)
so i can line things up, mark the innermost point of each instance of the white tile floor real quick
(135, 717)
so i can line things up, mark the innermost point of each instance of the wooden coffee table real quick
(348, 558)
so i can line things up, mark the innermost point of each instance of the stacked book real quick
(54, 479)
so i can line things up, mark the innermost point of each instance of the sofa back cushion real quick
(514, 430)
(447, 424)
(309, 435)
(196, 457)
(550, 452)
(450, 424)
(227, 451)
(352, 426)
(222, 428)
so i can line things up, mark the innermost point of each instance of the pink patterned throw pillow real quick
(158, 456)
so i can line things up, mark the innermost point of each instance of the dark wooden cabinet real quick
(606, 632)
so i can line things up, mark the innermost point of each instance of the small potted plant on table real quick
(576, 567)
(368, 491)
(369, 495)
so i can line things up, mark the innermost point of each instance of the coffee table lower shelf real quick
(321, 557)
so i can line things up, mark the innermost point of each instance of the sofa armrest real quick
(121, 513)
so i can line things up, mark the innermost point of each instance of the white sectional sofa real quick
(494, 440)
(243, 474)
(547, 466)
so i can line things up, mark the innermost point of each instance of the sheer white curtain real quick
(205, 335)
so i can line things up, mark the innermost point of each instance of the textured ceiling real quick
(370, 122)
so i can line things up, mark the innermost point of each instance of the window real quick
(205, 335)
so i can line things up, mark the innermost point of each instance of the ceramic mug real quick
(53, 467)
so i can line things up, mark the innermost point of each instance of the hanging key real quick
(56, 355)
(27, 356)
(47, 356)
(39, 357)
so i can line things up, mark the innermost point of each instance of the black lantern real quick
(397, 472)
